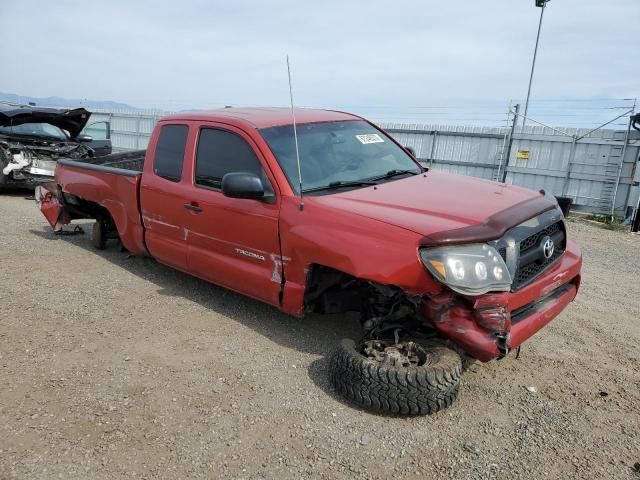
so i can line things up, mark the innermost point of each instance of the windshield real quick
(34, 130)
(336, 152)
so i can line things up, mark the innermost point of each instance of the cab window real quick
(170, 152)
(221, 152)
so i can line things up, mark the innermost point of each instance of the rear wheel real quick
(399, 378)
(98, 235)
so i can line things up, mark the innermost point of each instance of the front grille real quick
(533, 240)
(526, 273)
(531, 261)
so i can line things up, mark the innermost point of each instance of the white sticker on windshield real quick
(370, 138)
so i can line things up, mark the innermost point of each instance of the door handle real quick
(193, 207)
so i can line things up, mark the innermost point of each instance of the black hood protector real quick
(71, 120)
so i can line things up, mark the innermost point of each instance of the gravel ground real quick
(115, 366)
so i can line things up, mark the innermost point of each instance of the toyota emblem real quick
(548, 247)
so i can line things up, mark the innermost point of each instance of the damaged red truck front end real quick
(544, 267)
(489, 326)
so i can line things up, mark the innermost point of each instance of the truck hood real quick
(73, 121)
(444, 208)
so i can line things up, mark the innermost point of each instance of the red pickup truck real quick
(442, 268)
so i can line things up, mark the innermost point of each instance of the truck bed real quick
(104, 187)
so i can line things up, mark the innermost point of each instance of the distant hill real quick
(64, 102)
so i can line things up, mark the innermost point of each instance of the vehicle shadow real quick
(17, 191)
(315, 334)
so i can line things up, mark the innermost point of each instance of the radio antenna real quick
(295, 132)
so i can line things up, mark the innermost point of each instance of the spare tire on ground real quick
(404, 378)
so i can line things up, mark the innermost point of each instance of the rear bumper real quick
(49, 204)
(488, 326)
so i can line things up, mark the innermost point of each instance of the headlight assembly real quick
(468, 269)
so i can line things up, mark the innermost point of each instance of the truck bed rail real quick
(133, 160)
(99, 167)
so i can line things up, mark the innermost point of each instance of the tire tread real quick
(398, 390)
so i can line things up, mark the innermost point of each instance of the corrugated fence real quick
(597, 172)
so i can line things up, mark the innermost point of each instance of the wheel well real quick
(332, 291)
(384, 309)
(328, 290)
(81, 208)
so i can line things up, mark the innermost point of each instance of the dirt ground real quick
(115, 366)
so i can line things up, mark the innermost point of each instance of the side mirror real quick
(242, 185)
(84, 138)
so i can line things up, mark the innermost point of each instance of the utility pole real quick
(635, 224)
(516, 111)
(541, 4)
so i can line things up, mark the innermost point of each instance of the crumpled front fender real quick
(488, 326)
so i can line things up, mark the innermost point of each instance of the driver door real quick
(232, 242)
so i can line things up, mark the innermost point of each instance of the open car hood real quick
(71, 120)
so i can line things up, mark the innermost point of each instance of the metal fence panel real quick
(595, 175)
(594, 167)
(474, 151)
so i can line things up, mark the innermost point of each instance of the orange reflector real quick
(439, 266)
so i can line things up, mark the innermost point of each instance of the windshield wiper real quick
(395, 173)
(341, 184)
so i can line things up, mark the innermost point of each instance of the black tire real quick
(98, 237)
(3, 164)
(395, 389)
(467, 362)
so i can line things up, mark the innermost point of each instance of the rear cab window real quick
(220, 152)
(169, 155)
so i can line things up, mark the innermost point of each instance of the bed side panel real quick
(117, 192)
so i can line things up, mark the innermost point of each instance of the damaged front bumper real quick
(488, 326)
(33, 161)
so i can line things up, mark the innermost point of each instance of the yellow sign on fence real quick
(522, 155)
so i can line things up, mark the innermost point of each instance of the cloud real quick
(210, 53)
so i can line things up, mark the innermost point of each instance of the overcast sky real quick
(348, 54)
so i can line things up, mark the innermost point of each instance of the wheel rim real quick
(402, 354)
